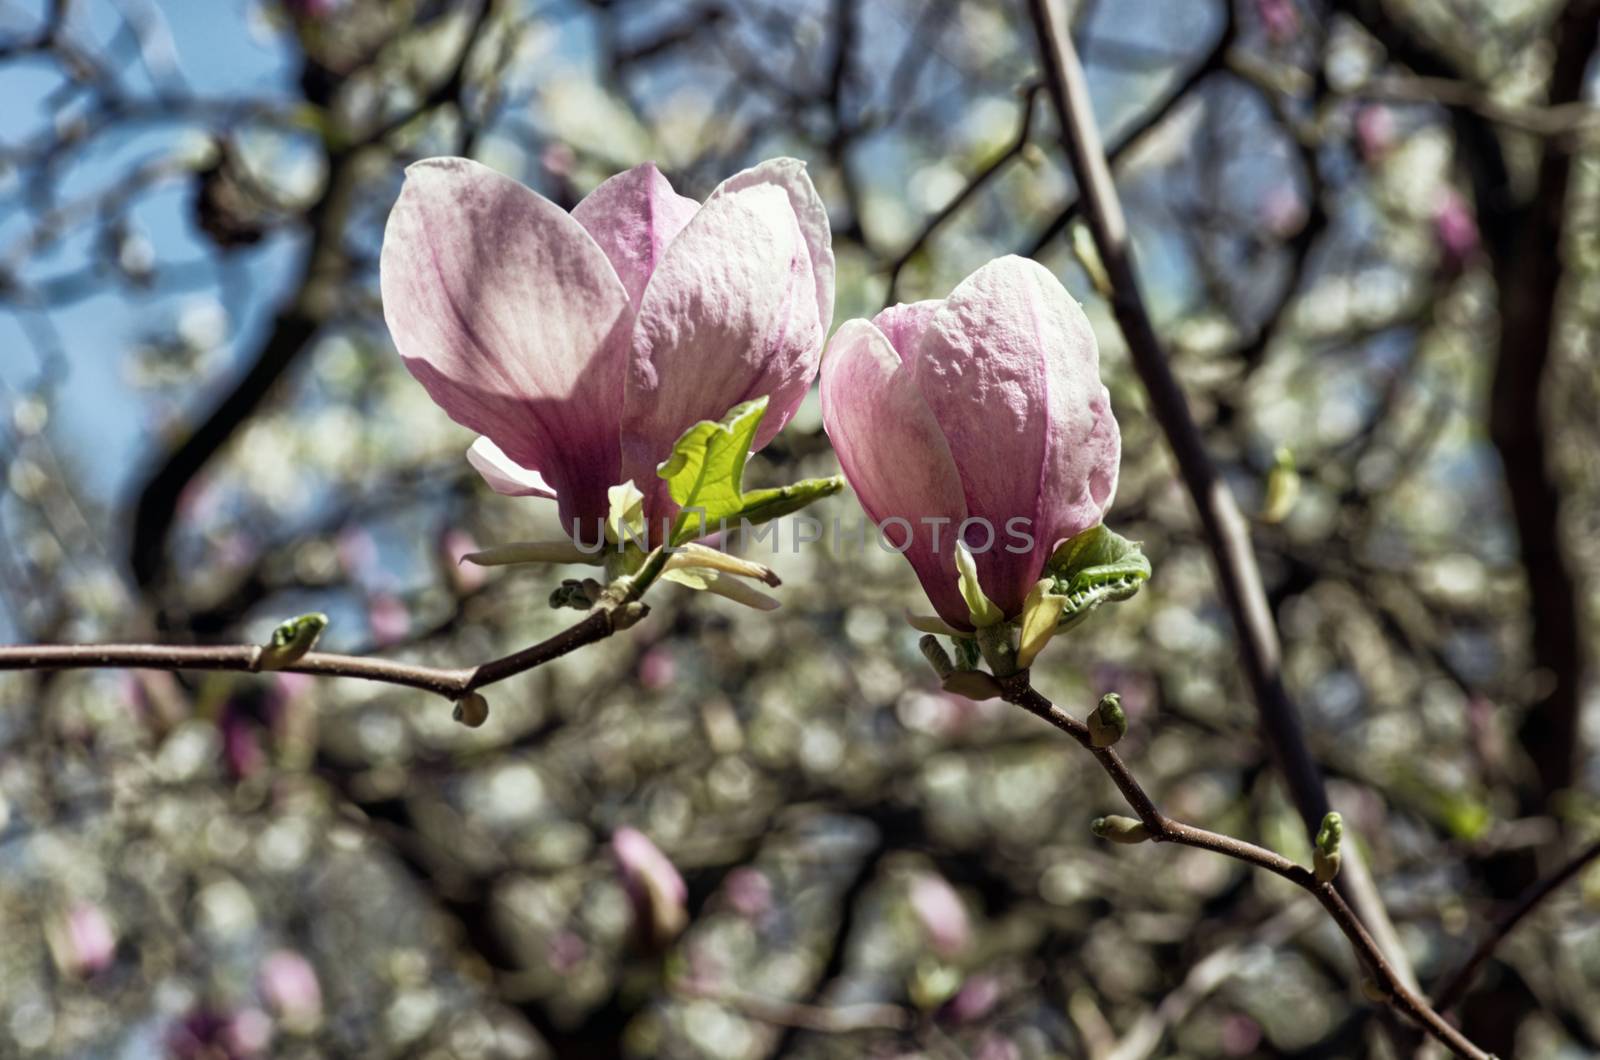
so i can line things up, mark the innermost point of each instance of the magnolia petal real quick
(710, 581)
(695, 555)
(512, 317)
(503, 474)
(895, 457)
(533, 552)
(633, 216)
(1041, 613)
(728, 316)
(1009, 366)
(809, 210)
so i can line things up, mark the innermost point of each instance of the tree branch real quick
(1456, 986)
(1225, 529)
(618, 609)
(1397, 994)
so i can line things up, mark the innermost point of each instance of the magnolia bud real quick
(937, 657)
(1107, 722)
(291, 640)
(472, 710)
(1120, 829)
(1325, 858)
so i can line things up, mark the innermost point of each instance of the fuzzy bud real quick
(1325, 857)
(1108, 723)
(290, 641)
(1120, 829)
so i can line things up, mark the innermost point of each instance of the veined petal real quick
(512, 317)
(505, 475)
(729, 315)
(790, 175)
(633, 216)
(1009, 367)
(895, 457)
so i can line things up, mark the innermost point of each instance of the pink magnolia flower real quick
(1375, 131)
(654, 886)
(980, 416)
(1454, 229)
(289, 985)
(1279, 18)
(941, 913)
(582, 345)
(82, 941)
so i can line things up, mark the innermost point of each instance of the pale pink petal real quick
(512, 317)
(1009, 367)
(633, 216)
(895, 456)
(505, 475)
(729, 315)
(790, 175)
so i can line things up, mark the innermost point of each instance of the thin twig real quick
(1455, 987)
(615, 611)
(1019, 143)
(1164, 829)
(1226, 531)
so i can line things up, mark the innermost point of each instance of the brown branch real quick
(1163, 829)
(1226, 531)
(1126, 141)
(1455, 987)
(303, 313)
(974, 185)
(619, 608)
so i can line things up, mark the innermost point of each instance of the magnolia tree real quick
(827, 814)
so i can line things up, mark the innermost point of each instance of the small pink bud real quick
(1375, 131)
(976, 999)
(938, 908)
(241, 744)
(654, 886)
(1454, 229)
(749, 892)
(657, 668)
(82, 941)
(1279, 18)
(289, 985)
(388, 618)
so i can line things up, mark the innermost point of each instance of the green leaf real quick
(705, 475)
(1096, 567)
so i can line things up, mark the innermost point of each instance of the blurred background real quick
(1368, 232)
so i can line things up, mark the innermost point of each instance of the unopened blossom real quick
(1279, 18)
(981, 414)
(211, 1034)
(82, 940)
(941, 913)
(289, 985)
(241, 743)
(582, 345)
(655, 887)
(1454, 228)
(1375, 131)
